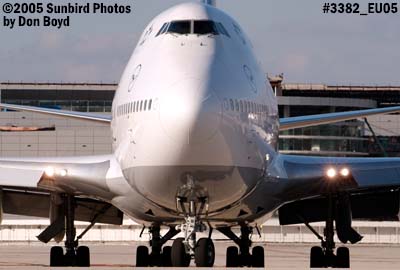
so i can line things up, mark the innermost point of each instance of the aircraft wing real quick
(70, 114)
(65, 174)
(321, 119)
(372, 183)
(26, 184)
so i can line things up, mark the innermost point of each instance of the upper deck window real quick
(180, 27)
(205, 28)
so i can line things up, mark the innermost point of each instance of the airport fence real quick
(26, 230)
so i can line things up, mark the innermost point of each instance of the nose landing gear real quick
(192, 202)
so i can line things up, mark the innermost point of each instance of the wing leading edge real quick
(321, 119)
(69, 114)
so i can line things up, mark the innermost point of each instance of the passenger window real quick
(180, 27)
(141, 105)
(205, 28)
(145, 106)
(236, 105)
(226, 105)
(241, 106)
(232, 105)
(150, 103)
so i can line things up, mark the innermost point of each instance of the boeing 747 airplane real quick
(195, 132)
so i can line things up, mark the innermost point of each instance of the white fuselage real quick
(196, 107)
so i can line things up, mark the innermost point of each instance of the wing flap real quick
(377, 206)
(38, 205)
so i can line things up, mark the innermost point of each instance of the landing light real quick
(344, 172)
(63, 172)
(331, 173)
(49, 171)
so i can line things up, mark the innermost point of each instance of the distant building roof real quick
(57, 86)
(324, 87)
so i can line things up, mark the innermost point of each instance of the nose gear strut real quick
(192, 204)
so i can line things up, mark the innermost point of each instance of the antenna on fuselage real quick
(210, 2)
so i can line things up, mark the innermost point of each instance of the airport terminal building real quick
(31, 134)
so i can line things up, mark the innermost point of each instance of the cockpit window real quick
(222, 29)
(205, 28)
(180, 27)
(163, 29)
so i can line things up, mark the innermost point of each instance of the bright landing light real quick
(63, 172)
(49, 171)
(331, 173)
(344, 172)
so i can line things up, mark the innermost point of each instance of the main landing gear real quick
(324, 256)
(241, 257)
(159, 256)
(74, 254)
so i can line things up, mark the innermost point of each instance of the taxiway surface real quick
(278, 256)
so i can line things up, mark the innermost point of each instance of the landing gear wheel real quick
(83, 256)
(142, 256)
(205, 253)
(342, 257)
(258, 260)
(179, 257)
(56, 257)
(70, 258)
(317, 258)
(166, 257)
(232, 257)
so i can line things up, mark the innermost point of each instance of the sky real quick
(290, 36)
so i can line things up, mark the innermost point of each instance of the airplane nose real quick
(190, 112)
